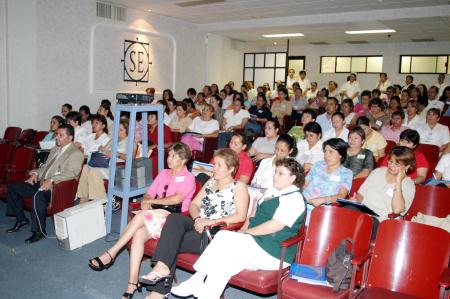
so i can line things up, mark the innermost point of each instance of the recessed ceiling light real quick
(149, 10)
(370, 31)
(275, 43)
(284, 35)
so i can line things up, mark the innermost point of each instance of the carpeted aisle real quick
(43, 270)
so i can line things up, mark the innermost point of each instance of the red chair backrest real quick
(430, 200)
(356, 184)
(12, 133)
(24, 159)
(390, 145)
(445, 120)
(430, 151)
(6, 152)
(327, 227)
(26, 136)
(409, 258)
(39, 136)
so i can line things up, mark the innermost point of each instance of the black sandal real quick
(130, 295)
(100, 266)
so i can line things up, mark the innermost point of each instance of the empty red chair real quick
(6, 154)
(431, 152)
(11, 134)
(409, 260)
(328, 226)
(430, 200)
(38, 137)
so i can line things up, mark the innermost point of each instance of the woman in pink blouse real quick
(171, 187)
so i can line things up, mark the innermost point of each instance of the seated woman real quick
(105, 110)
(392, 132)
(432, 132)
(181, 121)
(235, 118)
(394, 105)
(375, 142)
(191, 110)
(308, 116)
(347, 109)
(359, 160)
(389, 189)
(221, 199)
(278, 216)
(91, 185)
(203, 126)
(310, 149)
(442, 171)
(98, 138)
(259, 115)
(216, 102)
(284, 148)
(171, 187)
(412, 117)
(339, 129)
(376, 115)
(298, 103)
(55, 122)
(328, 180)
(246, 167)
(264, 147)
(283, 106)
(410, 138)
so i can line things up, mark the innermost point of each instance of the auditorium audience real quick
(359, 160)
(324, 120)
(236, 118)
(388, 189)
(375, 142)
(332, 89)
(65, 108)
(98, 138)
(221, 199)
(205, 124)
(308, 115)
(264, 147)
(363, 107)
(411, 139)
(181, 121)
(432, 132)
(298, 103)
(412, 117)
(442, 171)
(351, 89)
(216, 102)
(55, 123)
(282, 107)
(338, 130)
(347, 108)
(238, 144)
(259, 114)
(393, 131)
(86, 116)
(376, 115)
(310, 149)
(278, 216)
(284, 147)
(167, 189)
(105, 110)
(74, 119)
(394, 105)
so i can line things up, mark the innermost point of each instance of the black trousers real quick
(16, 193)
(177, 236)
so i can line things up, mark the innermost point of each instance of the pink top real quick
(359, 109)
(165, 182)
(390, 134)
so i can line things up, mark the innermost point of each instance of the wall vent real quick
(357, 42)
(108, 11)
(421, 40)
(198, 2)
(319, 43)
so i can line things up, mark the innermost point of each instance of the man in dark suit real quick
(64, 163)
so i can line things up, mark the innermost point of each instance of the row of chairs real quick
(408, 260)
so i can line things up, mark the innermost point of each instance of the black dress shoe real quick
(35, 237)
(18, 226)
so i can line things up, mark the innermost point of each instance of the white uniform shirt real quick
(204, 127)
(88, 126)
(439, 135)
(444, 166)
(265, 145)
(417, 121)
(441, 88)
(263, 177)
(304, 84)
(351, 89)
(91, 144)
(306, 155)
(235, 119)
(324, 122)
(383, 86)
(80, 134)
(332, 134)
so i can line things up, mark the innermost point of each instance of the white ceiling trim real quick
(359, 16)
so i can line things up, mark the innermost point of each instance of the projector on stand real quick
(134, 98)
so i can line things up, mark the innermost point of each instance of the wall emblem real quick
(136, 61)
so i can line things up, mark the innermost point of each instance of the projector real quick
(134, 98)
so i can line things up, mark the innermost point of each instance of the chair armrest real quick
(361, 259)
(134, 206)
(393, 215)
(445, 279)
(293, 240)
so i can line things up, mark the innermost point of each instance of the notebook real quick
(360, 206)
(309, 274)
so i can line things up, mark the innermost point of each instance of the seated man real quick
(63, 163)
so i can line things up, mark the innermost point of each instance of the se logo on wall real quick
(136, 61)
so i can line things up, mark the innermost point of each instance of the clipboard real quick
(360, 206)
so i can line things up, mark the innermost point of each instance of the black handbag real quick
(207, 236)
(169, 208)
(98, 159)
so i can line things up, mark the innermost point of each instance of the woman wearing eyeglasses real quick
(172, 186)
(278, 216)
(389, 189)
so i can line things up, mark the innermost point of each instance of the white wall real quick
(225, 59)
(391, 59)
(59, 51)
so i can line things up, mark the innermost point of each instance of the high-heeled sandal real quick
(159, 278)
(100, 265)
(130, 295)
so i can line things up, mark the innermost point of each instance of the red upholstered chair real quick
(6, 154)
(22, 162)
(209, 146)
(39, 136)
(431, 152)
(11, 134)
(63, 195)
(390, 145)
(430, 200)
(328, 226)
(26, 136)
(445, 120)
(410, 260)
(356, 184)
